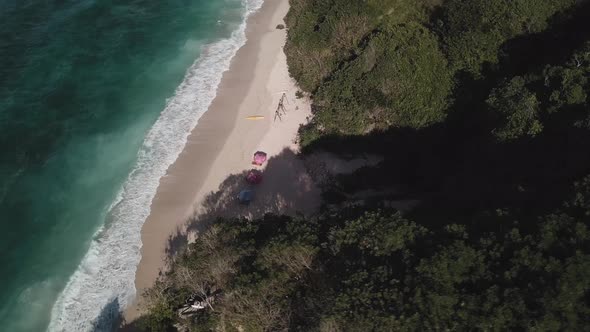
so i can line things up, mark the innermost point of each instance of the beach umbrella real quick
(254, 176)
(259, 158)
(245, 196)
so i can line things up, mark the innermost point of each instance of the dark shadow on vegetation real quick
(567, 32)
(458, 168)
(286, 188)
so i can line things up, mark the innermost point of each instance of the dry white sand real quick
(206, 177)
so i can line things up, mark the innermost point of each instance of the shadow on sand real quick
(286, 188)
(109, 318)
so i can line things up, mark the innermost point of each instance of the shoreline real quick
(222, 144)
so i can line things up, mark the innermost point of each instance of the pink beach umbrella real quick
(259, 158)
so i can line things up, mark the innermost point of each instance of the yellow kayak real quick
(255, 117)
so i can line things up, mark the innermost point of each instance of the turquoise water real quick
(96, 98)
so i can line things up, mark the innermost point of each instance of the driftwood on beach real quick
(197, 302)
(281, 110)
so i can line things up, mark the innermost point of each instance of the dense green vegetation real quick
(473, 31)
(369, 64)
(401, 78)
(480, 112)
(348, 270)
(523, 103)
(376, 65)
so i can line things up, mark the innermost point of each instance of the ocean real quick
(97, 98)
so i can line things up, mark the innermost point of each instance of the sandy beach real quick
(204, 180)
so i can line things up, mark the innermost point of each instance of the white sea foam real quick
(104, 283)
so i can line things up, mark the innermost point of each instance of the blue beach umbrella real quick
(245, 196)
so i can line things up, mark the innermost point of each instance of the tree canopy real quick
(381, 271)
